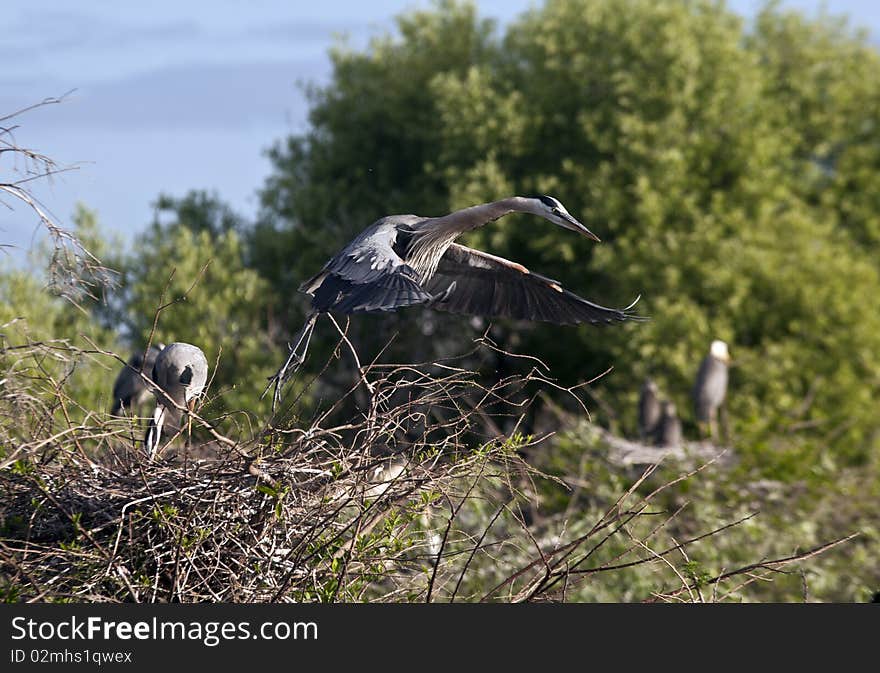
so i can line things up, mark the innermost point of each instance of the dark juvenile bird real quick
(649, 410)
(668, 432)
(180, 372)
(130, 389)
(405, 260)
(710, 388)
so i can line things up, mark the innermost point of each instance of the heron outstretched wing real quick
(495, 287)
(367, 275)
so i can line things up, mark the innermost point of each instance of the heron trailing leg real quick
(294, 361)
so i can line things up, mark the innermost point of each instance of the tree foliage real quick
(727, 168)
(31, 312)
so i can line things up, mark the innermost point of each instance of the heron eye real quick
(555, 211)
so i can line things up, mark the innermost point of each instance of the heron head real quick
(669, 408)
(551, 209)
(718, 350)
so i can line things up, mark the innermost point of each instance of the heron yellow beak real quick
(570, 223)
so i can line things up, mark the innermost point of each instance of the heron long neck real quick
(435, 234)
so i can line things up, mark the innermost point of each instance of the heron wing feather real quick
(495, 287)
(367, 275)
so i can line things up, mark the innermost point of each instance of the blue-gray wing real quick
(130, 388)
(367, 275)
(476, 283)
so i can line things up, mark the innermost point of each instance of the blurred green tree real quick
(29, 314)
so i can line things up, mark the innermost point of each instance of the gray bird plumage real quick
(668, 432)
(181, 372)
(405, 260)
(710, 388)
(130, 389)
(649, 410)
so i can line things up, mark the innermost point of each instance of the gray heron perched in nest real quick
(130, 389)
(180, 372)
(649, 409)
(668, 432)
(406, 260)
(710, 388)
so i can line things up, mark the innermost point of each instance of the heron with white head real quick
(181, 373)
(710, 388)
(407, 260)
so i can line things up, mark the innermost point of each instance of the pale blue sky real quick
(179, 95)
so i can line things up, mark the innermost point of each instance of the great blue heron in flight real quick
(180, 372)
(710, 388)
(130, 389)
(649, 410)
(668, 431)
(404, 260)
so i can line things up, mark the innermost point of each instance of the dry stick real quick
(684, 582)
(300, 560)
(626, 518)
(296, 553)
(774, 564)
(687, 559)
(646, 499)
(454, 510)
(8, 557)
(542, 378)
(18, 190)
(487, 341)
(357, 361)
(179, 547)
(139, 501)
(86, 534)
(474, 550)
(51, 100)
(570, 547)
(15, 189)
(631, 548)
(675, 547)
(344, 551)
(67, 418)
(162, 305)
(363, 528)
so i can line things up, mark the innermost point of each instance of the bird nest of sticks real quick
(408, 488)
(87, 516)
